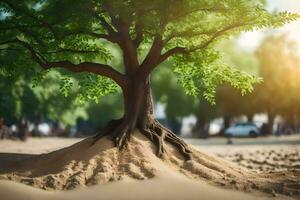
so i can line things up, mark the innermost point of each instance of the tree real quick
(62, 34)
(230, 102)
(278, 94)
(22, 97)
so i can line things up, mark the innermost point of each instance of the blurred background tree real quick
(279, 67)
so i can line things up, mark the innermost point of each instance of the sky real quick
(250, 41)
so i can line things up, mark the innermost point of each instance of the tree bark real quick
(138, 105)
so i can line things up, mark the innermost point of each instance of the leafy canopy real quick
(20, 98)
(89, 35)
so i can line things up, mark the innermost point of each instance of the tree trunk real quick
(270, 123)
(226, 124)
(138, 114)
(138, 105)
(250, 118)
(201, 128)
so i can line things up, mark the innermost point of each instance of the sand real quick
(263, 160)
(263, 154)
(82, 171)
(164, 186)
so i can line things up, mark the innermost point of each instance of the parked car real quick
(242, 130)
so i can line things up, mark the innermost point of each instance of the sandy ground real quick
(258, 154)
(269, 154)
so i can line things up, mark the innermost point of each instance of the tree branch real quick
(34, 36)
(171, 52)
(214, 36)
(62, 50)
(139, 33)
(217, 34)
(153, 55)
(110, 30)
(109, 38)
(211, 9)
(23, 28)
(151, 60)
(96, 68)
(186, 33)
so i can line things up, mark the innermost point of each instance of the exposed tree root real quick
(120, 131)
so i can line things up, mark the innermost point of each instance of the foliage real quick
(176, 102)
(229, 100)
(75, 36)
(23, 98)
(212, 74)
(93, 87)
(53, 102)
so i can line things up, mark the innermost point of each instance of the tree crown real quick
(90, 36)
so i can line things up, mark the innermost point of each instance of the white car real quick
(242, 129)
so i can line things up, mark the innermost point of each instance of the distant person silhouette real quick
(4, 130)
(23, 129)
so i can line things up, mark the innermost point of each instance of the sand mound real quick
(83, 164)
